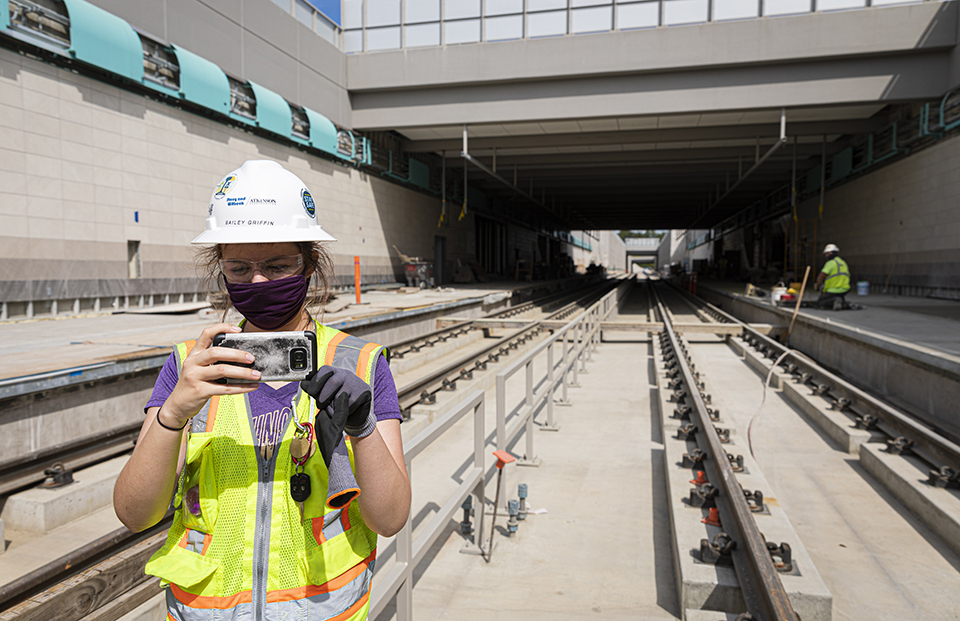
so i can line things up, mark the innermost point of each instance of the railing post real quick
(479, 441)
(564, 372)
(501, 413)
(529, 458)
(551, 388)
(584, 351)
(576, 355)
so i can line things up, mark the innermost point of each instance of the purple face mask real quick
(269, 304)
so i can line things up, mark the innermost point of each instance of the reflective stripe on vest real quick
(318, 569)
(839, 282)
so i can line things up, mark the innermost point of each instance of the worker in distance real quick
(280, 489)
(833, 281)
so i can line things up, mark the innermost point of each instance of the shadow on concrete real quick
(935, 541)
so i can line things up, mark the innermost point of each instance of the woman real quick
(250, 537)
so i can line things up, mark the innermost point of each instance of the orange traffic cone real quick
(701, 478)
(713, 519)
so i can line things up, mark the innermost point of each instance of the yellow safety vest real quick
(247, 555)
(838, 276)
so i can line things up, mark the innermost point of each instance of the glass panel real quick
(785, 7)
(684, 11)
(545, 5)
(576, 3)
(383, 38)
(353, 41)
(885, 2)
(467, 31)
(500, 28)
(421, 35)
(643, 15)
(547, 24)
(734, 9)
(382, 13)
(352, 14)
(283, 5)
(326, 30)
(304, 13)
(421, 11)
(458, 9)
(833, 5)
(598, 19)
(502, 7)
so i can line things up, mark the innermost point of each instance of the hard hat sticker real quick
(224, 186)
(236, 201)
(308, 204)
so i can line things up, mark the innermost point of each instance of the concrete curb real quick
(708, 587)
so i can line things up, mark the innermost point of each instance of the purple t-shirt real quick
(271, 407)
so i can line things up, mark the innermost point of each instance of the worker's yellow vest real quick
(247, 555)
(838, 276)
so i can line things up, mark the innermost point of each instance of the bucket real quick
(863, 287)
(777, 291)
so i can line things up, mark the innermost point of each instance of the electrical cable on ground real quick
(766, 383)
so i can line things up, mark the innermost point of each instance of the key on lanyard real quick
(300, 482)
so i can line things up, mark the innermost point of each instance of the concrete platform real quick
(42, 510)
(45, 345)
(907, 357)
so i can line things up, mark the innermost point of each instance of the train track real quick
(904, 432)
(759, 581)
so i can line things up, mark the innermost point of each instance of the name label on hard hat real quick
(248, 223)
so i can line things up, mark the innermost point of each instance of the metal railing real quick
(579, 339)
(398, 583)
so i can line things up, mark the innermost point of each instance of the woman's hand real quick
(203, 366)
(146, 483)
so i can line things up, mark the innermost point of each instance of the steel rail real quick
(75, 561)
(927, 443)
(762, 589)
(28, 470)
(426, 387)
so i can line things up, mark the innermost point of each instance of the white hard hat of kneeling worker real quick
(261, 202)
(830, 248)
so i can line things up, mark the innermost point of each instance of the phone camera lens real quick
(298, 359)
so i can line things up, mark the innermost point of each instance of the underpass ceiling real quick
(645, 172)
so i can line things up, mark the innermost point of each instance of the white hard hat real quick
(261, 202)
(831, 248)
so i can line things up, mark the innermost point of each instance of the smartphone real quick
(279, 356)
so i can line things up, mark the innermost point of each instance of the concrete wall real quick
(86, 167)
(251, 39)
(908, 213)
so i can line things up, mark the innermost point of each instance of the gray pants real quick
(828, 300)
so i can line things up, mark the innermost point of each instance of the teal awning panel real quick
(104, 40)
(419, 174)
(202, 82)
(273, 111)
(323, 133)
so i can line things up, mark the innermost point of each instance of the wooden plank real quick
(89, 590)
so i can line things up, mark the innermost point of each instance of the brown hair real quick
(315, 257)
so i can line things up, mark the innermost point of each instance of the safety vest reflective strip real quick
(838, 281)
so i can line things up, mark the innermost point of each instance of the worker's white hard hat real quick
(261, 202)
(831, 248)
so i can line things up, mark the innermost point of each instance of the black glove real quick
(344, 404)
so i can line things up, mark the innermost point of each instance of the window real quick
(133, 259)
